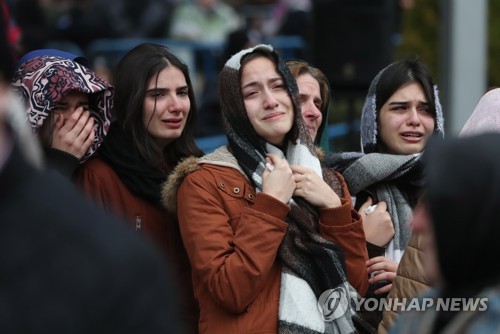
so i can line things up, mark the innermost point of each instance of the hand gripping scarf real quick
(383, 172)
(44, 80)
(311, 264)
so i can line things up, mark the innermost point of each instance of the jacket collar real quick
(219, 157)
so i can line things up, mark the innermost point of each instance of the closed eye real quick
(250, 93)
(183, 92)
(398, 106)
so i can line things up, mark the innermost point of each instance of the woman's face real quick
(405, 121)
(71, 101)
(267, 103)
(166, 106)
(311, 102)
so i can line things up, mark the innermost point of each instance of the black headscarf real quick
(141, 179)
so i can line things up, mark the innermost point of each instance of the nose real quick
(174, 105)
(270, 101)
(413, 117)
(310, 111)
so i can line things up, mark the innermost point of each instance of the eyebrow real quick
(256, 83)
(406, 102)
(157, 89)
(160, 89)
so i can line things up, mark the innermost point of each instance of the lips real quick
(173, 122)
(273, 116)
(412, 134)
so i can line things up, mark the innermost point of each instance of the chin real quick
(409, 149)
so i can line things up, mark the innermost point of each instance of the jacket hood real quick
(170, 188)
(219, 157)
(42, 81)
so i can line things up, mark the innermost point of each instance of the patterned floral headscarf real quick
(43, 81)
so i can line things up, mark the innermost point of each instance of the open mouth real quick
(412, 135)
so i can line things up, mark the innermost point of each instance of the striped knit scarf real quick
(383, 173)
(311, 264)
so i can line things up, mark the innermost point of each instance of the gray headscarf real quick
(393, 179)
(369, 116)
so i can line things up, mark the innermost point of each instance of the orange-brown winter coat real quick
(232, 235)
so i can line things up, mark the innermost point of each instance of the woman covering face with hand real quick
(68, 106)
(261, 221)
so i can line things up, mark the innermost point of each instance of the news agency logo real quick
(334, 303)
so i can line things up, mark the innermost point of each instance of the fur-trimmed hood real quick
(219, 157)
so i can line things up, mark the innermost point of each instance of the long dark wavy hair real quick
(130, 79)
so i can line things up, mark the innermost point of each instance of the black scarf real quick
(141, 179)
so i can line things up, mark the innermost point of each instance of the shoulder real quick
(96, 168)
(96, 165)
(219, 162)
(216, 178)
(219, 166)
(201, 173)
(171, 186)
(341, 161)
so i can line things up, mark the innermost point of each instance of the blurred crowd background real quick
(350, 40)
